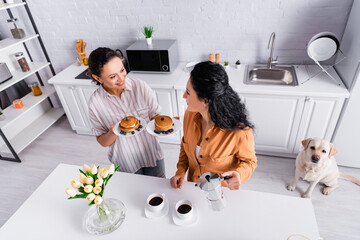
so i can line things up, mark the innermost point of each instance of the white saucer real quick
(142, 123)
(186, 222)
(151, 127)
(163, 212)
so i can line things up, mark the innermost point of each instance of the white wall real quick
(346, 138)
(237, 29)
(350, 46)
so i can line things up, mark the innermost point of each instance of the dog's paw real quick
(327, 190)
(305, 195)
(291, 187)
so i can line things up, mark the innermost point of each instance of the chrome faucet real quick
(271, 61)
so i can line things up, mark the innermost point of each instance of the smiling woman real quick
(117, 97)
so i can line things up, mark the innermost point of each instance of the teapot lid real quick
(209, 181)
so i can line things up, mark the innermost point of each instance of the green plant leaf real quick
(116, 168)
(90, 174)
(148, 31)
(102, 190)
(84, 195)
(91, 203)
(81, 189)
(82, 172)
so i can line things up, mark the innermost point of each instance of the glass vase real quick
(105, 217)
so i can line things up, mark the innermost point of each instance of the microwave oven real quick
(160, 57)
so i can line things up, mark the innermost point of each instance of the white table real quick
(48, 214)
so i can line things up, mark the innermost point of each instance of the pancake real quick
(163, 123)
(129, 124)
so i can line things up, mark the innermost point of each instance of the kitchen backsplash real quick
(237, 29)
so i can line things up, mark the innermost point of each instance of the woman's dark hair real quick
(98, 58)
(210, 81)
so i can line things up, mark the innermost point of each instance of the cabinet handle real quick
(308, 99)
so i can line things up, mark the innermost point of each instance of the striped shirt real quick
(139, 100)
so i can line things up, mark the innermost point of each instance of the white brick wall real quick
(237, 29)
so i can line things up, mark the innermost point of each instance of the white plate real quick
(142, 123)
(190, 66)
(163, 212)
(151, 127)
(322, 46)
(186, 222)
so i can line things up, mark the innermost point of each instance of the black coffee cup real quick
(155, 202)
(184, 209)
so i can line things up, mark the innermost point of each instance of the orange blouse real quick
(221, 150)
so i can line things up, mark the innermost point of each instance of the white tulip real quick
(90, 197)
(88, 188)
(71, 192)
(99, 182)
(111, 169)
(75, 184)
(104, 173)
(86, 168)
(82, 178)
(98, 200)
(89, 180)
(93, 169)
(97, 190)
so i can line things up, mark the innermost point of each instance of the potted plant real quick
(237, 64)
(226, 65)
(148, 31)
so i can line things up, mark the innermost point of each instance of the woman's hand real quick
(177, 181)
(234, 182)
(112, 128)
(108, 138)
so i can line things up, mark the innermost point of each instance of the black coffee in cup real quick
(155, 201)
(184, 208)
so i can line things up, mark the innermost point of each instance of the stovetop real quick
(83, 75)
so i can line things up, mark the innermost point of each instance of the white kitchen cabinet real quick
(167, 100)
(276, 120)
(282, 122)
(319, 119)
(24, 125)
(74, 99)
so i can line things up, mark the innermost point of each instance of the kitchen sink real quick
(277, 75)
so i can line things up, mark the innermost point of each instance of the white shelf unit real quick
(22, 126)
(18, 75)
(11, 42)
(11, 5)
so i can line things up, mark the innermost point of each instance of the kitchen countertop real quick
(48, 214)
(320, 86)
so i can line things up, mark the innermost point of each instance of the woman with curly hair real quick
(218, 136)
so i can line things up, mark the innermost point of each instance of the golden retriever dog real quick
(316, 164)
